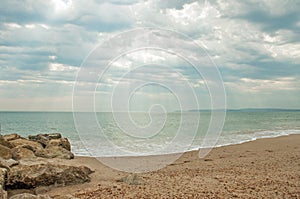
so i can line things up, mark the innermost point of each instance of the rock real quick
(132, 180)
(3, 174)
(54, 152)
(3, 193)
(68, 196)
(29, 196)
(63, 142)
(31, 176)
(54, 136)
(44, 138)
(21, 152)
(10, 137)
(40, 138)
(31, 145)
(5, 152)
(8, 163)
(4, 142)
(41, 190)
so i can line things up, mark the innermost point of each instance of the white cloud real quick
(263, 85)
(61, 67)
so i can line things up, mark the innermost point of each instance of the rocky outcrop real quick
(7, 163)
(21, 152)
(31, 163)
(10, 137)
(5, 152)
(62, 142)
(54, 152)
(41, 145)
(45, 138)
(3, 174)
(31, 145)
(3, 142)
(31, 176)
(3, 193)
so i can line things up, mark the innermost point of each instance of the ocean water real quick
(119, 134)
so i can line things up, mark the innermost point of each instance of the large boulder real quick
(54, 152)
(31, 145)
(5, 152)
(10, 137)
(31, 176)
(21, 152)
(63, 142)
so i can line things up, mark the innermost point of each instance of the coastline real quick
(267, 168)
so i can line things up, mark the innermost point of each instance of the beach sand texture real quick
(265, 168)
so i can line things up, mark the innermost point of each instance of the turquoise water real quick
(115, 135)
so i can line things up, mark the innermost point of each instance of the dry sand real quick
(265, 168)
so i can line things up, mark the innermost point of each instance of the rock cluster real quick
(27, 163)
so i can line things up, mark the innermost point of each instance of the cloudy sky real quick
(255, 45)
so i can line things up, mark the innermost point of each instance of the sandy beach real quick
(265, 168)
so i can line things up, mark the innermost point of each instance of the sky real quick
(44, 45)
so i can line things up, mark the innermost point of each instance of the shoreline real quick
(296, 132)
(264, 168)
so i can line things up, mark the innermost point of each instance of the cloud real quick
(255, 45)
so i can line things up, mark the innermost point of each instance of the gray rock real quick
(31, 176)
(5, 152)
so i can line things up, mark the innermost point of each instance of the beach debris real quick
(31, 176)
(132, 179)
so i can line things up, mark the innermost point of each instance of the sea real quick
(124, 134)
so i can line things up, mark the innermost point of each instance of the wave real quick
(225, 139)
